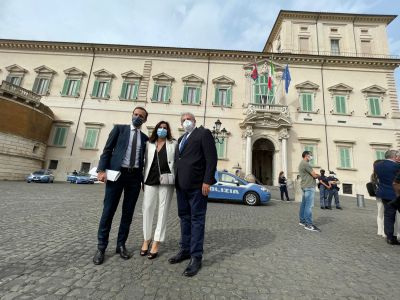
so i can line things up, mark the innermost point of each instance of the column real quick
(248, 134)
(283, 136)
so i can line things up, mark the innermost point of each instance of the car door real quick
(228, 187)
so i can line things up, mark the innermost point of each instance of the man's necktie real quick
(133, 150)
(183, 142)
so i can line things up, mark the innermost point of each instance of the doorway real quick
(262, 158)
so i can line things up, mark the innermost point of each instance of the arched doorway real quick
(263, 155)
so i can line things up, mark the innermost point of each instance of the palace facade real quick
(341, 103)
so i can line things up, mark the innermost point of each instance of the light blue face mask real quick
(162, 132)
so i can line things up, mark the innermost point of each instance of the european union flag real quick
(287, 78)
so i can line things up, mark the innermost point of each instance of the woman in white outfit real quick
(160, 154)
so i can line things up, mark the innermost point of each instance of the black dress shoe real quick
(322, 207)
(98, 258)
(338, 207)
(181, 256)
(394, 241)
(123, 252)
(193, 267)
(328, 207)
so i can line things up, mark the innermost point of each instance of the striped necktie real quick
(183, 142)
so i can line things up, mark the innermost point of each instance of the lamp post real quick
(218, 134)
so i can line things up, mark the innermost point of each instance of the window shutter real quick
(95, 88)
(123, 90)
(155, 91)
(8, 79)
(46, 86)
(65, 87)
(198, 93)
(107, 92)
(167, 94)
(35, 85)
(216, 99)
(229, 97)
(185, 94)
(77, 88)
(136, 89)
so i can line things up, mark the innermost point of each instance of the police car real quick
(231, 187)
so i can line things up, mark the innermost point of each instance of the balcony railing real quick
(273, 108)
(19, 92)
(341, 53)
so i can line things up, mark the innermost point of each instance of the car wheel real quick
(251, 198)
(28, 181)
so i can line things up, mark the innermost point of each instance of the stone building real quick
(341, 102)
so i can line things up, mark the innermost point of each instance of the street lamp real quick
(218, 134)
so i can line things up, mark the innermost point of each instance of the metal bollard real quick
(360, 200)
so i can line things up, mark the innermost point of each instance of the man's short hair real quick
(322, 171)
(392, 154)
(188, 114)
(142, 108)
(305, 153)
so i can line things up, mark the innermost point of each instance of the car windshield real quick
(41, 172)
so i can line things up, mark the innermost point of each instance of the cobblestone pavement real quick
(48, 238)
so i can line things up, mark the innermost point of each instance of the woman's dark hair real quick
(153, 138)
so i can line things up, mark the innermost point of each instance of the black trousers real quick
(130, 184)
(389, 217)
(283, 189)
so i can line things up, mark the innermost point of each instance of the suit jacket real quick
(149, 156)
(386, 172)
(115, 148)
(197, 163)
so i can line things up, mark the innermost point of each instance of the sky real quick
(210, 24)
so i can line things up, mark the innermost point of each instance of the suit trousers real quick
(129, 183)
(192, 208)
(153, 195)
(389, 218)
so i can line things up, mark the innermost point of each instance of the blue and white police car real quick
(231, 187)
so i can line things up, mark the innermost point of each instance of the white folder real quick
(112, 175)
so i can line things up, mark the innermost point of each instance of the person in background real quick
(379, 217)
(334, 190)
(386, 172)
(324, 187)
(283, 185)
(308, 177)
(159, 159)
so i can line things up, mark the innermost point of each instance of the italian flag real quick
(270, 74)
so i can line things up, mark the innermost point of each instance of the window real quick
(347, 188)
(16, 80)
(313, 149)
(365, 47)
(228, 178)
(129, 90)
(303, 45)
(71, 87)
(380, 154)
(335, 47)
(60, 134)
(161, 93)
(53, 164)
(334, 30)
(223, 96)
(345, 158)
(90, 140)
(340, 105)
(221, 149)
(306, 102)
(41, 86)
(374, 106)
(261, 93)
(85, 167)
(191, 95)
(303, 28)
(101, 89)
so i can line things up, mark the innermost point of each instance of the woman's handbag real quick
(167, 178)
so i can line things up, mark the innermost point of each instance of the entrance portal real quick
(263, 155)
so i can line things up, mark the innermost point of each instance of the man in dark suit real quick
(195, 166)
(386, 172)
(124, 152)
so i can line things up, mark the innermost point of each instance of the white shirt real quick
(127, 158)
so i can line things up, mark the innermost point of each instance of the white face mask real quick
(310, 158)
(188, 125)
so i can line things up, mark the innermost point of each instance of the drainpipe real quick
(205, 101)
(324, 111)
(316, 29)
(83, 101)
(354, 36)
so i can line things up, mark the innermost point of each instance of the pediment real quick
(223, 80)
(163, 77)
(131, 75)
(263, 66)
(74, 71)
(307, 85)
(192, 78)
(341, 87)
(16, 69)
(103, 73)
(374, 89)
(44, 70)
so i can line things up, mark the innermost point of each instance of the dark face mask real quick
(137, 121)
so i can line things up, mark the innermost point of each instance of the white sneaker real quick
(302, 224)
(312, 228)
